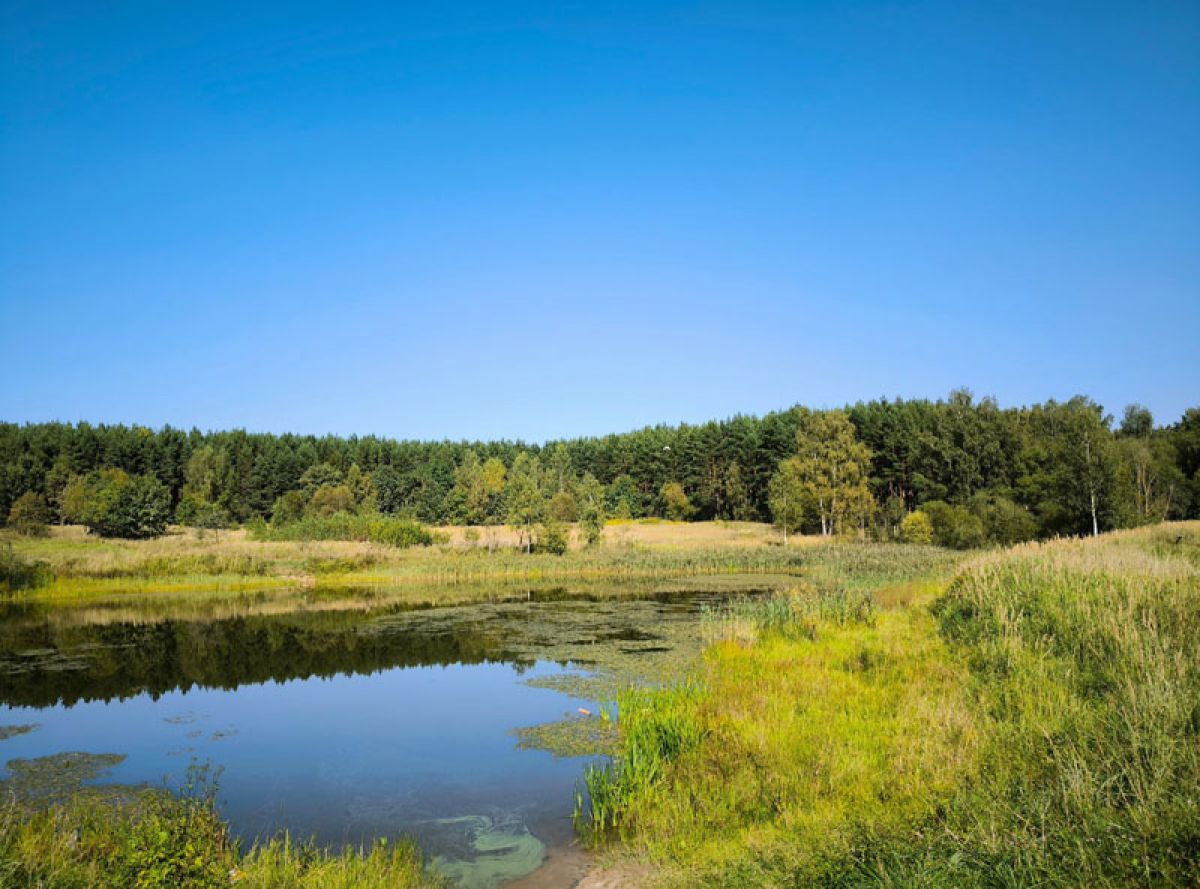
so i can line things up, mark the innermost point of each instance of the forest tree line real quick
(974, 471)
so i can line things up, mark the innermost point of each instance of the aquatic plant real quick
(657, 726)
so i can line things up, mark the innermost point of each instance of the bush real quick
(954, 526)
(916, 528)
(328, 500)
(563, 508)
(196, 512)
(375, 528)
(119, 505)
(29, 515)
(676, 503)
(289, 507)
(553, 538)
(18, 574)
(1005, 522)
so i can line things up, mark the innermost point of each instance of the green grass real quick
(1039, 725)
(121, 838)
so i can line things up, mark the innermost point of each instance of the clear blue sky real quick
(547, 219)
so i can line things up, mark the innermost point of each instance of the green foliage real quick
(788, 497)
(676, 504)
(553, 537)
(17, 573)
(152, 839)
(289, 507)
(916, 528)
(1060, 461)
(328, 500)
(29, 515)
(737, 495)
(114, 504)
(955, 526)
(656, 728)
(563, 507)
(827, 476)
(391, 490)
(1004, 522)
(389, 530)
(591, 510)
(524, 497)
(622, 499)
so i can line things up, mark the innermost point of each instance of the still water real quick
(344, 725)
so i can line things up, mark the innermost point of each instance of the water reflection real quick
(342, 724)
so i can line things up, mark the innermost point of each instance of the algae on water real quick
(55, 778)
(483, 852)
(11, 731)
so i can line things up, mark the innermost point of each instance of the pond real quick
(349, 724)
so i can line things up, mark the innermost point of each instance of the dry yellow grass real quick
(230, 564)
(653, 533)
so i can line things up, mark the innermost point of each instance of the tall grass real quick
(792, 614)
(18, 573)
(388, 530)
(152, 839)
(1038, 726)
(87, 568)
(656, 728)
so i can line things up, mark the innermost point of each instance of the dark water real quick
(341, 725)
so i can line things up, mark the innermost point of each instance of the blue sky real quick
(542, 220)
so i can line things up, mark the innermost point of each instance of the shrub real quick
(954, 526)
(330, 499)
(116, 504)
(29, 515)
(375, 528)
(591, 523)
(289, 507)
(1005, 522)
(553, 538)
(562, 507)
(18, 574)
(916, 528)
(676, 503)
(196, 512)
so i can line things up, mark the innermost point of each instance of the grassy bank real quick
(1033, 723)
(74, 567)
(120, 838)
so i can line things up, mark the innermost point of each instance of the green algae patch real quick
(483, 852)
(55, 778)
(11, 731)
(583, 736)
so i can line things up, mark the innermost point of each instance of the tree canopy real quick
(1051, 468)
